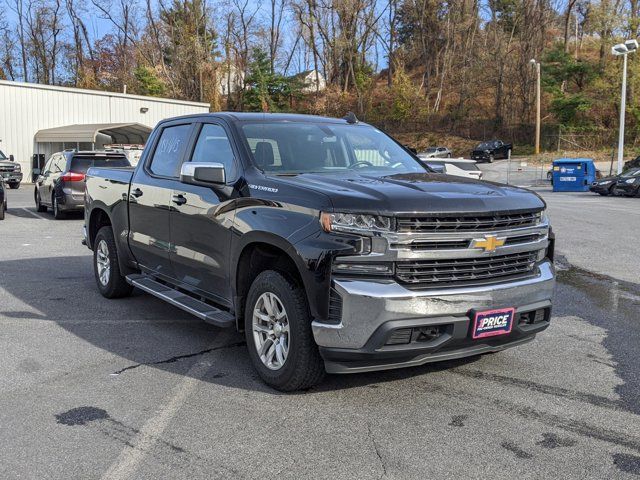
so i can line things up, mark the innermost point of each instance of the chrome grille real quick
(430, 273)
(459, 223)
(7, 168)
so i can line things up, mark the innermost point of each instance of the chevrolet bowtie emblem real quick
(489, 243)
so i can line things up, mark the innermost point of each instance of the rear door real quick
(200, 228)
(150, 198)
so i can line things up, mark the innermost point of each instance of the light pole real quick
(536, 64)
(623, 49)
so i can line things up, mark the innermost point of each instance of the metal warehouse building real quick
(44, 119)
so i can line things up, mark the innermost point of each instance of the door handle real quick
(136, 193)
(179, 199)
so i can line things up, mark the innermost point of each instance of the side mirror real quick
(205, 174)
(11, 159)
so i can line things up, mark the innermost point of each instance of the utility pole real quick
(536, 64)
(623, 49)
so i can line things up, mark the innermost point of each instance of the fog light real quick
(426, 334)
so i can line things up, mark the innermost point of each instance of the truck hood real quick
(415, 193)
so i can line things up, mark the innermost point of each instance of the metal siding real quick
(27, 108)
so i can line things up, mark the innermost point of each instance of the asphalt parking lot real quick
(133, 388)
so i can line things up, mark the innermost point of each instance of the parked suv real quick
(10, 170)
(324, 240)
(60, 185)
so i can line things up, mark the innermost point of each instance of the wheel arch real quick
(260, 252)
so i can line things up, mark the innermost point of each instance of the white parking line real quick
(129, 459)
(33, 214)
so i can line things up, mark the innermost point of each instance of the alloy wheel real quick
(102, 263)
(271, 331)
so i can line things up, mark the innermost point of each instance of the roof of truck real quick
(261, 117)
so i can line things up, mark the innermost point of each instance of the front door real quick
(150, 199)
(200, 227)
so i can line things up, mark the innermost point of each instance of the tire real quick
(3, 208)
(301, 367)
(14, 186)
(448, 155)
(604, 194)
(39, 206)
(491, 158)
(111, 283)
(57, 213)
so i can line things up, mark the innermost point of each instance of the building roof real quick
(102, 93)
(119, 133)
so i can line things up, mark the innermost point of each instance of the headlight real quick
(631, 180)
(17, 167)
(355, 223)
(604, 183)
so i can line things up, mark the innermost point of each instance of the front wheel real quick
(110, 281)
(39, 206)
(278, 333)
(3, 208)
(491, 158)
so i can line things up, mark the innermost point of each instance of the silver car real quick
(60, 184)
(435, 152)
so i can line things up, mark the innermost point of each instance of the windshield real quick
(431, 150)
(631, 173)
(2, 155)
(485, 145)
(293, 148)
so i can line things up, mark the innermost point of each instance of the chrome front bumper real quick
(371, 307)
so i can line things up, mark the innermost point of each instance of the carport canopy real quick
(128, 133)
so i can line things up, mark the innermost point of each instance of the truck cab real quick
(325, 241)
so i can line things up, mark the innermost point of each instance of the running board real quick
(202, 310)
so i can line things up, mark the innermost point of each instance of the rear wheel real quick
(110, 281)
(278, 334)
(57, 213)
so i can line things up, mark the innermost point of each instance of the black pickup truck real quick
(327, 242)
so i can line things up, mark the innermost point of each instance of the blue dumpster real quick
(573, 174)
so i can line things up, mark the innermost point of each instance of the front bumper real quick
(12, 177)
(373, 310)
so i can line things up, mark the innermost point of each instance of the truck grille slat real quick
(462, 223)
(452, 272)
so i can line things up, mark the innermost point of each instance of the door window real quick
(213, 146)
(168, 152)
(47, 167)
